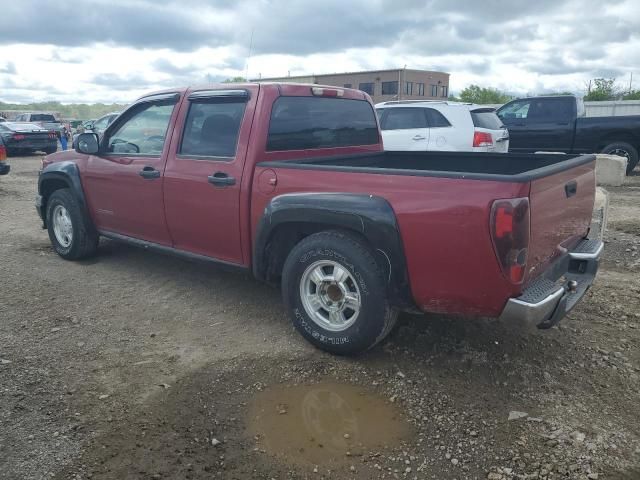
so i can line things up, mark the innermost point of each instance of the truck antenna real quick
(246, 71)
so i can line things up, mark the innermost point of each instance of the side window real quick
(143, 131)
(515, 111)
(212, 127)
(436, 119)
(404, 118)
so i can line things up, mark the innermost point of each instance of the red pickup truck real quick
(291, 182)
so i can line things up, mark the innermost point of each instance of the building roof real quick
(363, 72)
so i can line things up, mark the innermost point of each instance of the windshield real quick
(42, 117)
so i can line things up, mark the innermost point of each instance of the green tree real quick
(483, 95)
(632, 95)
(235, 80)
(600, 89)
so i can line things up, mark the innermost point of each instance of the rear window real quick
(41, 117)
(403, 118)
(486, 119)
(300, 123)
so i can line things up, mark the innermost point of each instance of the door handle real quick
(221, 179)
(149, 173)
(571, 188)
(419, 137)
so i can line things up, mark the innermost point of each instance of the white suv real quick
(421, 125)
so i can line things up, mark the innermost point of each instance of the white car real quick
(430, 125)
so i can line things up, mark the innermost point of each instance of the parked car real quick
(45, 120)
(290, 182)
(4, 166)
(558, 124)
(427, 125)
(100, 125)
(22, 137)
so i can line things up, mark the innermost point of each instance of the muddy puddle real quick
(324, 424)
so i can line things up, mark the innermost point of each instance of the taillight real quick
(327, 92)
(510, 236)
(18, 136)
(482, 139)
(52, 135)
(3, 153)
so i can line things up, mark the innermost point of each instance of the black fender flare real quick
(50, 179)
(369, 216)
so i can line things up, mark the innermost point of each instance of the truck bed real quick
(443, 203)
(511, 167)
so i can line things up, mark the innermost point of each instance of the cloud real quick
(122, 48)
(9, 69)
(121, 82)
(139, 24)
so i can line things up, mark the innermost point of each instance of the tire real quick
(50, 150)
(75, 239)
(310, 296)
(624, 149)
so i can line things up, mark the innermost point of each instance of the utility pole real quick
(630, 81)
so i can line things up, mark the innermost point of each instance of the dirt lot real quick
(133, 365)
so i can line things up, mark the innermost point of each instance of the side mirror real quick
(87, 143)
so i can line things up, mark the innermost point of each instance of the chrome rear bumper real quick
(549, 298)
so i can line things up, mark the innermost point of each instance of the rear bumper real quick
(4, 168)
(32, 144)
(549, 298)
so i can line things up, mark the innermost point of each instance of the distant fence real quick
(613, 108)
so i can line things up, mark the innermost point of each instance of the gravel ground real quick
(134, 365)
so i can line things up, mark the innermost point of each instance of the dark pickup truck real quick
(291, 183)
(558, 124)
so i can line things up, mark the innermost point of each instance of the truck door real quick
(124, 184)
(540, 124)
(404, 129)
(204, 172)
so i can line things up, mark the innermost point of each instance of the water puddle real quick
(323, 424)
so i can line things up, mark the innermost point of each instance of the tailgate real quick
(561, 210)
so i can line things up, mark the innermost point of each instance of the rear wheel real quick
(69, 233)
(50, 150)
(626, 150)
(336, 294)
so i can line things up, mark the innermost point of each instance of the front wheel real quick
(72, 238)
(626, 150)
(335, 293)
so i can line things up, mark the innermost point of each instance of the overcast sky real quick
(116, 50)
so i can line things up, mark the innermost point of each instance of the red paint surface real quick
(444, 223)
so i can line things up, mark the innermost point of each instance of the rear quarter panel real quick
(444, 226)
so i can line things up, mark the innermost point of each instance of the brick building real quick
(382, 85)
